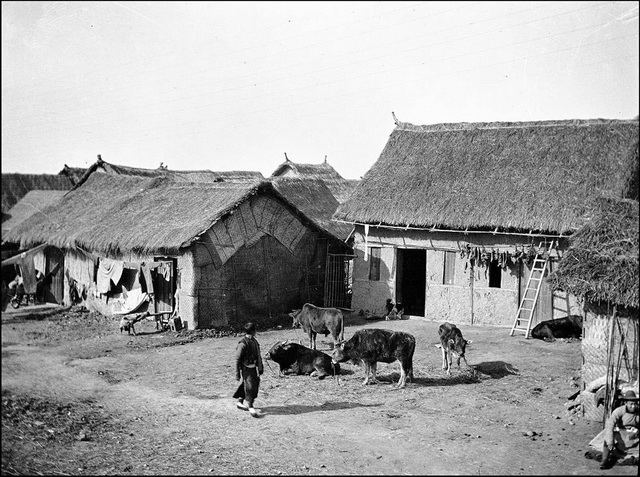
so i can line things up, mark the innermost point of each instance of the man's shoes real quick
(254, 412)
(607, 464)
(241, 406)
(593, 454)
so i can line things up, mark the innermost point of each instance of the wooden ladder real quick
(524, 316)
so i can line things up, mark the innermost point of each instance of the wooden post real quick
(472, 279)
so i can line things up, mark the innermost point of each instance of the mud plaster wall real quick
(491, 306)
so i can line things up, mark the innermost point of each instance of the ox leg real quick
(449, 362)
(444, 358)
(319, 371)
(366, 373)
(374, 368)
(403, 377)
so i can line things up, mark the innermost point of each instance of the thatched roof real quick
(174, 175)
(110, 214)
(73, 173)
(340, 187)
(601, 263)
(528, 176)
(315, 200)
(310, 171)
(15, 186)
(33, 202)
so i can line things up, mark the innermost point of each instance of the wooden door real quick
(53, 289)
(164, 284)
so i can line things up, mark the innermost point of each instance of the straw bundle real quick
(601, 263)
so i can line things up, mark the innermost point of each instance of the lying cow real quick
(299, 359)
(566, 327)
(372, 345)
(452, 344)
(314, 320)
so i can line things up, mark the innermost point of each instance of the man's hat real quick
(250, 328)
(629, 395)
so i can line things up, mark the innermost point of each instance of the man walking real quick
(249, 368)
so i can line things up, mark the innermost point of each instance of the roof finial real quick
(286, 158)
(325, 158)
(395, 120)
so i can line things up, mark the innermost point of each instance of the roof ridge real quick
(437, 127)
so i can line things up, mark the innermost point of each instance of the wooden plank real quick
(235, 228)
(222, 241)
(258, 205)
(283, 230)
(246, 214)
(297, 238)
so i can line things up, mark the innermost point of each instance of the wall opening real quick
(411, 280)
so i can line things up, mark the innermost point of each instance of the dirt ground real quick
(79, 397)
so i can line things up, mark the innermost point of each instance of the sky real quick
(235, 85)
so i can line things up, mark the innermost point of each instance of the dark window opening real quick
(495, 274)
(374, 264)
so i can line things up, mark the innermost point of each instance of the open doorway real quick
(411, 280)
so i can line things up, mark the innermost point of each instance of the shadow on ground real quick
(496, 369)
(303, 409)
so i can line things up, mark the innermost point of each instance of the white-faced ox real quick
(452, 344)
(369, 346)
(299, 359)
(314, 320)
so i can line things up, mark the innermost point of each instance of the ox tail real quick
(342, 326)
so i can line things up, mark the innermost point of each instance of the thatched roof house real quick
(140, 214)
(445, 202)
(339, 186)
(175, 175)
(315, 200)
(219, 250)
(601, 267)
(33, 202)
(529, 176)
(15, 186)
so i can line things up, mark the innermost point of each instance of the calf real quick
(452, 344)
(299, 359)
(566, 327)
(314, 320)
(372, 345)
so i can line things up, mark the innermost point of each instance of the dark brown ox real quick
(314, 320)
(452, 344)
(372, 345)
(565, 327)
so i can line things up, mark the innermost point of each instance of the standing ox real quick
(372, 345)
(314, 320)
(452, 344)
